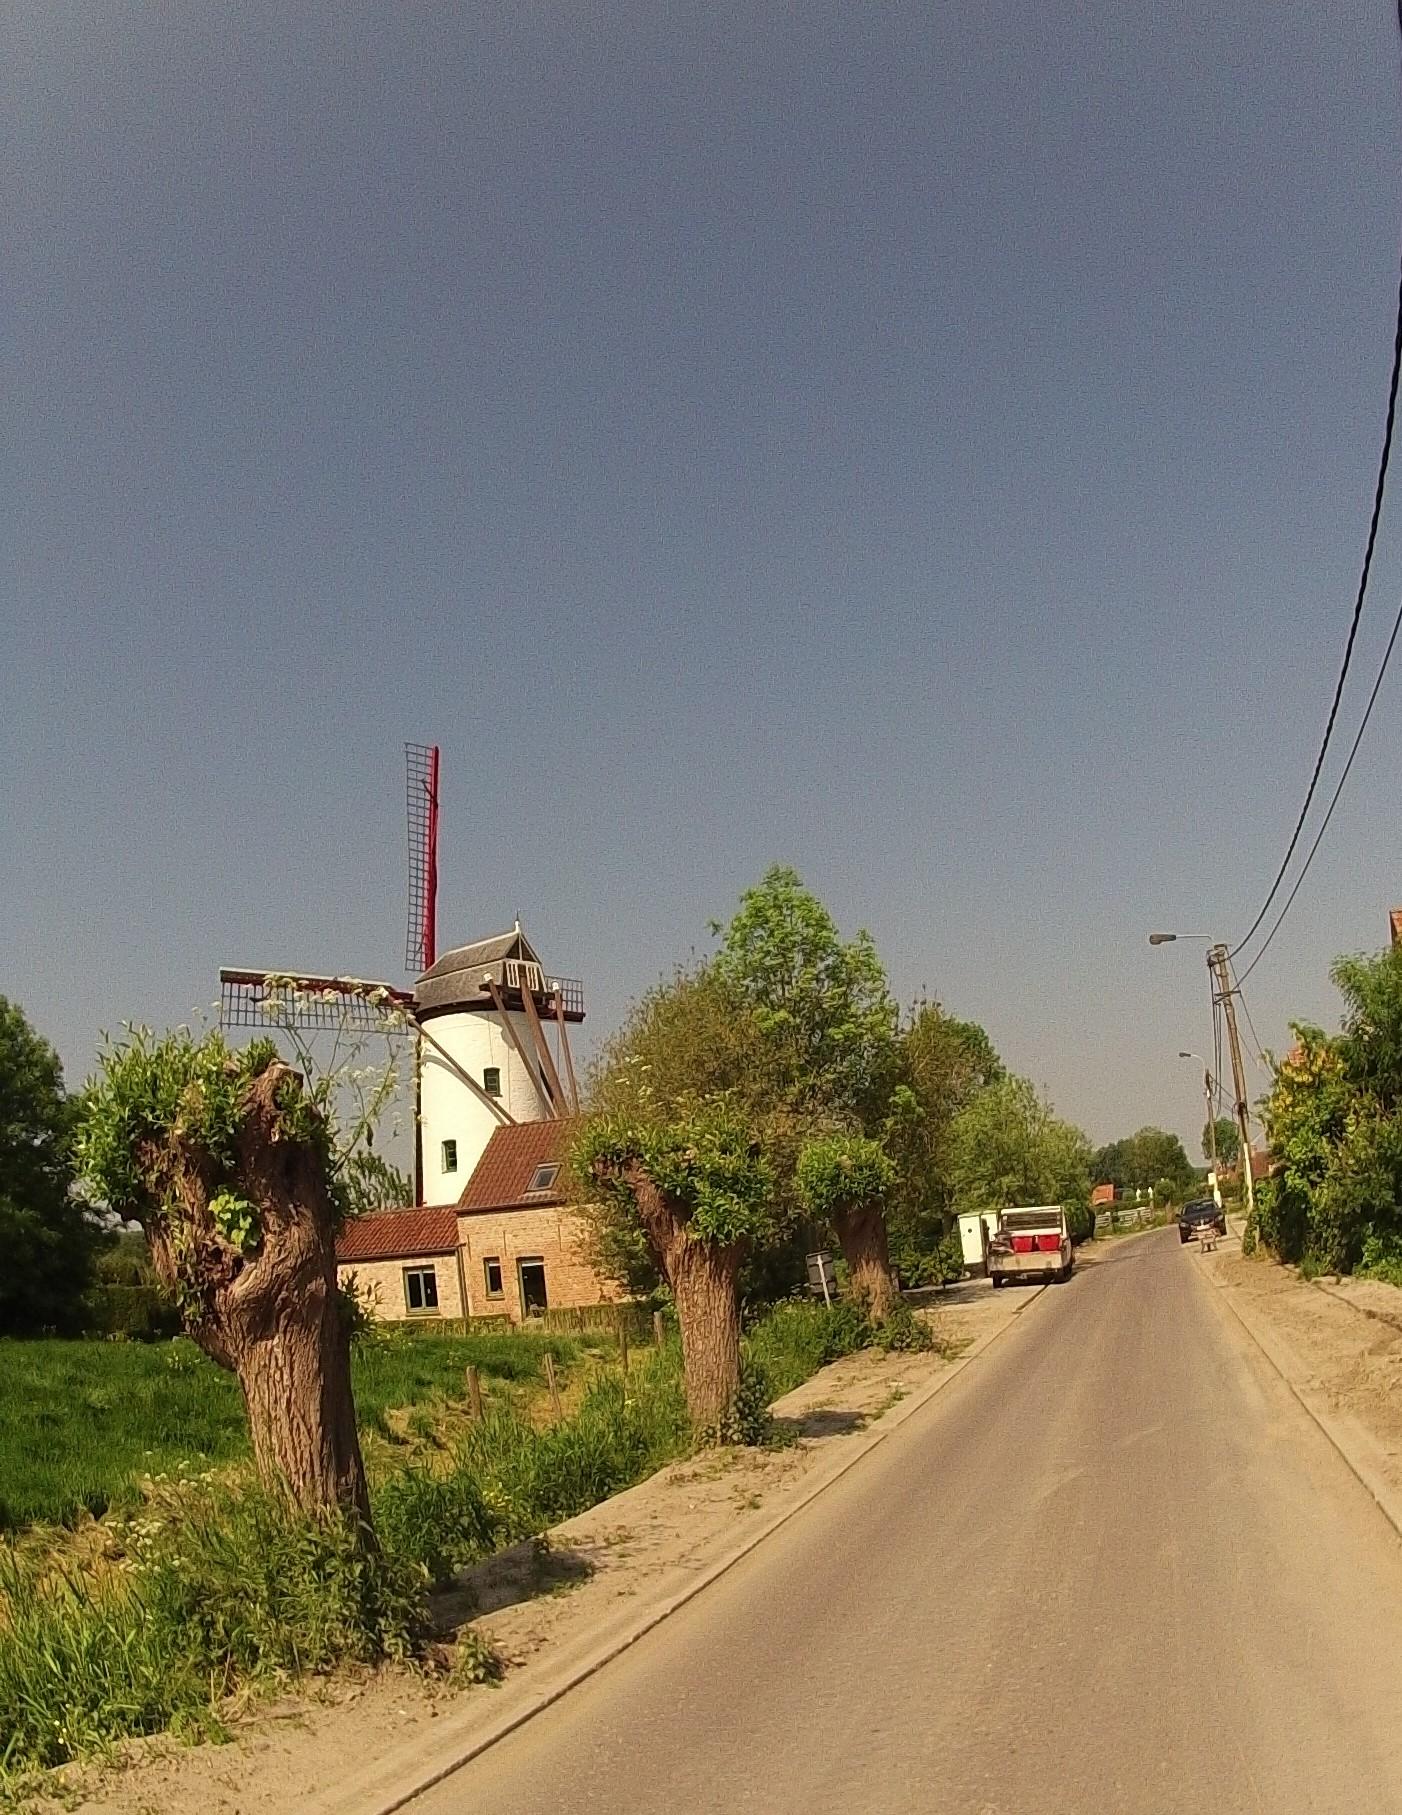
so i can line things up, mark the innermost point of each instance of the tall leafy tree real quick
(1143, 1159)
(1008, 1147)
(1228, 1139)
(942, 1065)
(48, 1241)
(821, 1004)
(702, 1195)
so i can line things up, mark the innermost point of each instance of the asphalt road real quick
(1113, 1567)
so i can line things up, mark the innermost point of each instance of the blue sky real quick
(929, 446)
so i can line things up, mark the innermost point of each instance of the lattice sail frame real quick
(272, 999)
(421, 789)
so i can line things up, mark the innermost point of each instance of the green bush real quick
(216, 1591)
(902, 1329)
(139, 1311)
(1080, 1220)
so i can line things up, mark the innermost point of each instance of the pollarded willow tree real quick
(226, 1159)
(845, 1180)
(702, 1193)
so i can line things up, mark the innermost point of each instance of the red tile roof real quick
(398, 1235)
(508, 1163)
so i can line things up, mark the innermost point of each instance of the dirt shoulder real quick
(1338, 1343)
(549, 1610)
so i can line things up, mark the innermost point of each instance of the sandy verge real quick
(537, 1607)
(1341, 1340)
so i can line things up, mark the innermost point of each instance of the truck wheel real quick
(998, 1281)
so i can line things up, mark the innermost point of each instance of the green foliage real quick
(1334, 1121)
(941, 1065)
(370, 1183)
(1080, 1220)
(708, 1168)
(1228, 1138)
(236, 1220)
(143, 1313)
(1007, 1147)
(902, 1329)
(1146, 1160)
(48, 1241)
(843, 1172)
(149, 1086)
(1306, 1114)
(216, 1591)
(822, 1006)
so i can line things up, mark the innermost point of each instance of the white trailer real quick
(975, 1233)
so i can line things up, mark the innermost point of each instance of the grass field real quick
(82, 1422)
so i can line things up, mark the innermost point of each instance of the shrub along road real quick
(1112, 1566)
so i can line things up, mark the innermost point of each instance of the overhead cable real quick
(1353, 626)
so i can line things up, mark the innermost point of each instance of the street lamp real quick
(1224, 992)
(1211, 1119)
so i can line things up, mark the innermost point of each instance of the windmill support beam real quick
(493, 989)
(498, 1109)
(565, 1052)
(557, 1089)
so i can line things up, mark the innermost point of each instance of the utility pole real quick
(1224, 993)
(1211, 1124)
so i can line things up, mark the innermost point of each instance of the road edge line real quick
(593, 1662)
(1384, 1496)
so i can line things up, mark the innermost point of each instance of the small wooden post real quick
(474, 1389)
(659, 1329)
(554, 1389)
(623, 1341)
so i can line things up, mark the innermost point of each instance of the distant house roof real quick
(398, 1235)
(457, 978)
(502, 1178)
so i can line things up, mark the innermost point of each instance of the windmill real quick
(478, 1015)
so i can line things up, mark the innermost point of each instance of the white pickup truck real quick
(1032, 1239)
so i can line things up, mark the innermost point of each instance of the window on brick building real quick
(491, 1268)
(421, 1290)
(530, 1272)
(543, 1178)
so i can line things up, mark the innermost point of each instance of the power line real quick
(1367, 714)
(1357, 614)
(1260, 1050)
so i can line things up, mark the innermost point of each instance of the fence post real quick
(474, 1389)
(554, 1389)
(659, 1330)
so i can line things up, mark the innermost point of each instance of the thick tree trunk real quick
(704, 1280)
(704, 1285)
(862, 1234)
(269, 1312)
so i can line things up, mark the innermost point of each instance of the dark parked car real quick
(1199, 1215)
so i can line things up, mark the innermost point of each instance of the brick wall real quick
(556, 1236)
(382, 1282)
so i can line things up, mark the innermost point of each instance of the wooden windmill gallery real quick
(490, 1232)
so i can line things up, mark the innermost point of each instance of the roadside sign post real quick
(822, 1275)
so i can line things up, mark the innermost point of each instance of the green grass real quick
(213, 1588)
(82, 1422)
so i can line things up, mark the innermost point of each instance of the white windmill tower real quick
(479, 1014)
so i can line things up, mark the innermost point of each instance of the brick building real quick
(511, 1245)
